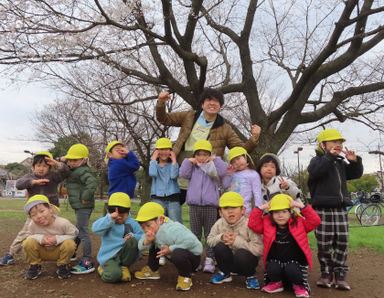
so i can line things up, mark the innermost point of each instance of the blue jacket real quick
(112, 236)
(203, 190)
(164, 179)
(121, 174)
(175, 235)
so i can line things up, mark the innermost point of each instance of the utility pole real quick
(380, 153)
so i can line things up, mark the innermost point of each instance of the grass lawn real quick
(370, 237)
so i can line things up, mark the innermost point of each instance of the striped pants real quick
(332, 239)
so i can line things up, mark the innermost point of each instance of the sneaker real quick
(162, 261)
(221, 277)
(209, 265)
(74, 257)
(7, 260)
(199, 268)
(147, 273)
(252, 283)
(273, 287)
(33, 272)
(125, 274)
(300, 291)
(83, 267)
(340, 282)
(183, 283)
(325, 280)
(63, 271)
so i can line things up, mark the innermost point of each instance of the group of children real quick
(261, 214)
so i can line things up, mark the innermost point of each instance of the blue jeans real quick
(172, 209)
(82, 223)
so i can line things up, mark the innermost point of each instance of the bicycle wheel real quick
(370, 216)
(359, 209)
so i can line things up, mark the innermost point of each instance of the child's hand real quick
(230, 170)
(149, 237)
(164, 96)
(49, 240)
(155, 155)
(40, 181)
(349, 154)
(85, 202)
(211, 158)
(255, 131)
(124, 150)
(283, 183)
(129, 236)
(228, 238)
(63, 159)
(265, 206)
(164, 251)
(297, 204)
(193, 160)
(115, 214)
(172, 156)
(52, 162)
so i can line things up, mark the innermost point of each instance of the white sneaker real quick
(209, 265)
(162, 261)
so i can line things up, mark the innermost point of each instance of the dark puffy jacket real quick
(81, 185)
(327, 181)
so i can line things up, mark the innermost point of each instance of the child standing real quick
(237, 248)
(271, 182)
(81, 185)
(122, 165)
(203, 172)
(46, 176)
(119, 235)
(328, 173)
(286, 249)
(243, 178)
(164, 171)
(49, 238)
(164, 237)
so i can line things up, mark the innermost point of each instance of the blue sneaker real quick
(221, 277)
(7, 260)
(252, 283)
(84, 267)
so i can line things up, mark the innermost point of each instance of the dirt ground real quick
(366, 278)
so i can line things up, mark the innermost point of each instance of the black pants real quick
(289, 271)
(242, 261)
(185, 261)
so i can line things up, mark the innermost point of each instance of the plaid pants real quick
(203, 217)
(332, 239)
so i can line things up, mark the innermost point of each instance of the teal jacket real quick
(175, 235)
(81, 185)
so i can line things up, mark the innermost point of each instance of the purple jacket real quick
(203, 190)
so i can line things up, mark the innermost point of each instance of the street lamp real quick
(298, 164)
(29, 152)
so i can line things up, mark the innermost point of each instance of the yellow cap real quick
(36, 200)
(163, 143)
(149, 211)
(238, 151)
(119, 199)
(46, 153)
(231, 199)
(202, 145)
(110, 146)
(77, 151)
(280, 202)
(329, 135)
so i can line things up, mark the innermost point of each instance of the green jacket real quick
(81, 185)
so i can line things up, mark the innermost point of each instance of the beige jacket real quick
(245, 237)
(221, 135)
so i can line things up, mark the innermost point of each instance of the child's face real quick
(232, 214)
(239, 163)
(74, 163)
(152, 225)
(121, 218)
(117, 152)
(164, 154)
(202, 156)
(42, 215)
(281, 217)
(41, 168)
(335, 147)
(268, 170)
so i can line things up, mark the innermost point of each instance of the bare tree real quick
(288, 65)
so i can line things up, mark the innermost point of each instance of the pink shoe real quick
(273, 287)
(300, 291)
(209, 265)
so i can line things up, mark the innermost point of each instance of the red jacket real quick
(262, 225)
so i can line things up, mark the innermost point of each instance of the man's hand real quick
(255, 131)
(164, 96)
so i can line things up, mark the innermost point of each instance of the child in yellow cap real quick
(49, 238)
(46, 175)
(119, 236)
(165, 237)
(237, 248)
(327, 180)
(286, 249)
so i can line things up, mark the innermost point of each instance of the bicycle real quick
(360, 203)
(371, 214)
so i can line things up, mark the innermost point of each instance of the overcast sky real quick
(18, 104)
